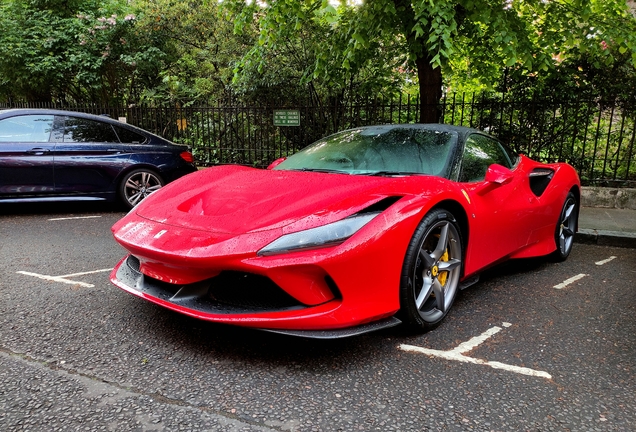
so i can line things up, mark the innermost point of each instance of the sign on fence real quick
(286, 118)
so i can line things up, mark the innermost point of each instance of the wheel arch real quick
(460, 215)
(410, 312)
(123, 173)
(576, 190)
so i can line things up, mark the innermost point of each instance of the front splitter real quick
(340, 333)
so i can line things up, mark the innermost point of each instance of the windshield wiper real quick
(391, 173)
(322, 170)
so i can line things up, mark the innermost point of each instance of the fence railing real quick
(597, 139)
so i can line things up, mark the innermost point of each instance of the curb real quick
(606, 238)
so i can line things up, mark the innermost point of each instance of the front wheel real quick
(431, 271)
(137, 185)
(565, 229)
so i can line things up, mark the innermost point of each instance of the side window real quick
(79, 130)
(128, 136)
(26, 128)
(479, 153)
(514, 157)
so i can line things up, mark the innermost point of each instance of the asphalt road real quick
(77, 353)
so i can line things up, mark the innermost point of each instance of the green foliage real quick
(201, 49)
(577, 77)
(537, 37)
(82, 50)
(472, 41)
(305, 59)
(315, 52)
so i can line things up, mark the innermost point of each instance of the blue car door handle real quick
(38, 151)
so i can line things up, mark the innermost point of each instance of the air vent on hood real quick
(381, 205)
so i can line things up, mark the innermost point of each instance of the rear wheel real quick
(431, 271)
(566, 227)
(137, 185)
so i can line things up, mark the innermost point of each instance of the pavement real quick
(607, 216)
(607, 226)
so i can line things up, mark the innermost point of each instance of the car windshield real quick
(380, 150)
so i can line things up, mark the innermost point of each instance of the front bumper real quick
(229, 293)
(243, 299)
(318, 290)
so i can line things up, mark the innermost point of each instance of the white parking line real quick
(569, 281)
(73, 218)
(473, 343)
(457, 354)
(85, 273)
(605, 261)
(63, 278)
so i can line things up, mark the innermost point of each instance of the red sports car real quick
(361, 230)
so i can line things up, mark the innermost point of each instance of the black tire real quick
(431, 271)
(566, 228)
(137, 185)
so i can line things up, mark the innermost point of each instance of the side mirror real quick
(499, 174)
(275, 163)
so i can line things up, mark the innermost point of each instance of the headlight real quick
(326, 235)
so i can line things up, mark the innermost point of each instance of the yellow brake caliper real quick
(443, 275)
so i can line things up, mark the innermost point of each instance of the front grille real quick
(228, 293)
(249, 291)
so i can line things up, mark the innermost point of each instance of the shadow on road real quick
(238, 344)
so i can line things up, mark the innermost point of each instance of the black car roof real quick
(462, 131)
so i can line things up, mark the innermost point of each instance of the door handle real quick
(38, 151)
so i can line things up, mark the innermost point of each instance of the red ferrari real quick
(364, 229)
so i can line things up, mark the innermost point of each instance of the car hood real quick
(236, 200)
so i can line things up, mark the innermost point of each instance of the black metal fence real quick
(597, 139)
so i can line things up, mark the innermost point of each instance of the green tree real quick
(200, 46)
(75, 50)
(482, 36)
(283, 71)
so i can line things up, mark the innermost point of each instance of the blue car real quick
(52, 155)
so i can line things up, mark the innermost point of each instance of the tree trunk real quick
(430, 81)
